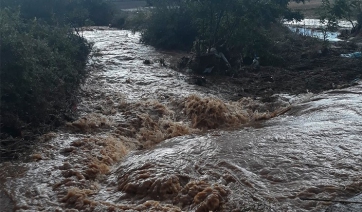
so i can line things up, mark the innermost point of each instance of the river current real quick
(149, 140)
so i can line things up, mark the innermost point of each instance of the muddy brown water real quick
(136, 146)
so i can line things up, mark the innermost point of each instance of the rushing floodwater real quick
(123, 154)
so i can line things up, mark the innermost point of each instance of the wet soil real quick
(310, 71)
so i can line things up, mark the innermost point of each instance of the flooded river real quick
(149, 140)
(313, 28)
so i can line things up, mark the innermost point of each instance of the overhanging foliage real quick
(41, 67)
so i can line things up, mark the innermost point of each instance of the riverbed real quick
(149, 140)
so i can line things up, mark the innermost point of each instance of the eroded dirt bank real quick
(218, 155)
(302, 64)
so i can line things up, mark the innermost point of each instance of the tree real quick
(226, 23)
(350, 10)
(168, 25)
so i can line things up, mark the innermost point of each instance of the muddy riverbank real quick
(308, 66)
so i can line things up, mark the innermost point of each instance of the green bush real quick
(225, 25)
(168, 28)
(41, 67)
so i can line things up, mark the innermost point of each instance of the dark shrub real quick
(41, 67)
(169, 28)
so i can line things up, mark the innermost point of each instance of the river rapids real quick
(149, 140)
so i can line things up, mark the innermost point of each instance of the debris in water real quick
(352, 55)
(90, 122)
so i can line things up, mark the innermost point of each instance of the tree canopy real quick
(227, 23)
(350, 10)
